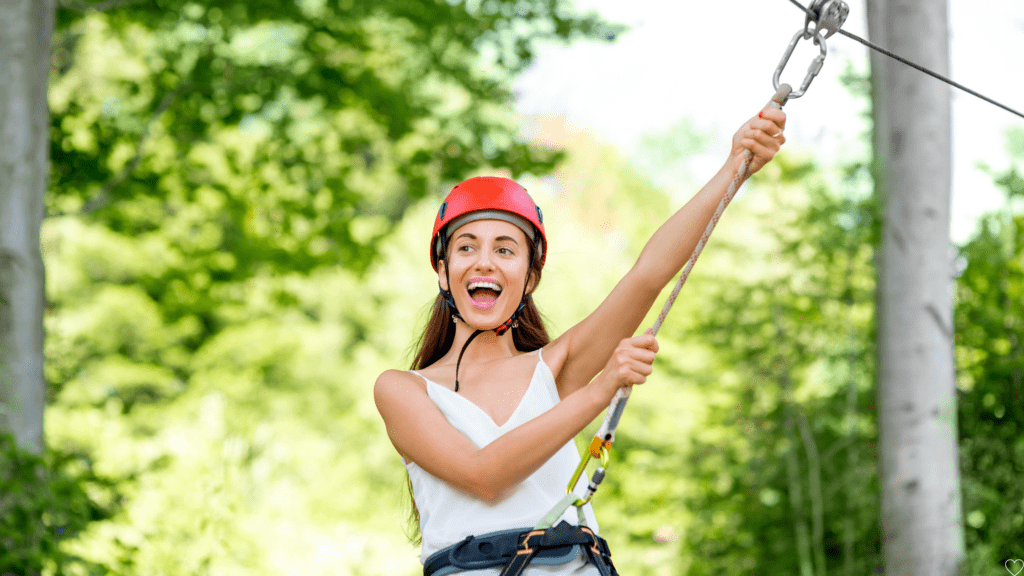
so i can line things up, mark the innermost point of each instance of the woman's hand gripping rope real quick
(759, 140)
(753, 146)
(631, 363)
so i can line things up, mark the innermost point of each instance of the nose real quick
(483, 261)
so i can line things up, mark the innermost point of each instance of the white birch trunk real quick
(25, 34)
(920, 483)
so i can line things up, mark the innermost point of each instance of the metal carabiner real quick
(812, 70)
(830, 15)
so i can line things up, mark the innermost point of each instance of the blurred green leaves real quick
(43, 501)
(288, 135)
(990, 363)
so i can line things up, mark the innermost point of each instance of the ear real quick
(531, 282)
(442, 277)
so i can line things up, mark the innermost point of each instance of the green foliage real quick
(258, 450)
(783, 464)
(43, 501)
(305, 128)
(990, 365)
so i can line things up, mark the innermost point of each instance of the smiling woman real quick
(485, 431)
(491, 201)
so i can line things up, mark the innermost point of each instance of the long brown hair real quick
(439, 334)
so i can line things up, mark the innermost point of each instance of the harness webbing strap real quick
(555, 513)
(512, 551)
(564, 534)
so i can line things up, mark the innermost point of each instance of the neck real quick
(485, 347)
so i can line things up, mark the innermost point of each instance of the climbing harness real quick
(828, 16)
(514, 550)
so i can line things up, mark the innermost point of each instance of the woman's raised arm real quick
(580, 353)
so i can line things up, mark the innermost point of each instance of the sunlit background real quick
(236, 246)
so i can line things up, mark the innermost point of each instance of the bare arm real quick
(583, 349)
(421, 433)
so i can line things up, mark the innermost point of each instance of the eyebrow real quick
(498, 239)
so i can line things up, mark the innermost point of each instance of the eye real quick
(506, 251)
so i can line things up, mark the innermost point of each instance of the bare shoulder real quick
(401, 399)
(396, 384)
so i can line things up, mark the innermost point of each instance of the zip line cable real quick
(918, 67)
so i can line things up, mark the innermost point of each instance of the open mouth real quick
(484, 294)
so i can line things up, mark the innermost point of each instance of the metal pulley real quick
(829, 15)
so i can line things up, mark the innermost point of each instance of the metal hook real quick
(812, 70)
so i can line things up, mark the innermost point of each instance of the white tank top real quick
(448, 515)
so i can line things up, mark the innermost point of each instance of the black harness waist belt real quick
(518, 548)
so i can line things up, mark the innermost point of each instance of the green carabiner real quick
(604, 458)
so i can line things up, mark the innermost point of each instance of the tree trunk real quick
(921, 517)
(26, 28)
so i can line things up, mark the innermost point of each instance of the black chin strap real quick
(450, 300)
(464, 346)
(447, 294)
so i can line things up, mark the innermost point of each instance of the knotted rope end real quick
(782, 94)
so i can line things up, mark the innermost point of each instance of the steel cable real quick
(918, 67)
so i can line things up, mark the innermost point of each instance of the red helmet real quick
(489, 197)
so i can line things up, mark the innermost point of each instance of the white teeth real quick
(490, 285)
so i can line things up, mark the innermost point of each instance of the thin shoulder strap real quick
(426, 381)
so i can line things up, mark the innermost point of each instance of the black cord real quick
(913, 65)
(464, 346)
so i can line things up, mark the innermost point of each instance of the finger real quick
(768, 141)
(632, 374)
(760, 156)
(646, 340)
(635, 367)
(761, 145)
(766, 126)
(775, 115)
(763, 124)
(637, 376)
(643, 355)
(643, 368)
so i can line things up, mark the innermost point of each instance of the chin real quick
(485, 321)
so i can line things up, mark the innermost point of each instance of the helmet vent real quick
(444, 207)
